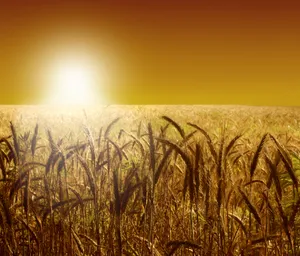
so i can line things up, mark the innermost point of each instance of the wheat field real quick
(149, 180)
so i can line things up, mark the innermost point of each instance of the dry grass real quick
(150, 180)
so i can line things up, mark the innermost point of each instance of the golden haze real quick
(157, 53)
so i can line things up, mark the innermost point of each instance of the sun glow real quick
(74, 82)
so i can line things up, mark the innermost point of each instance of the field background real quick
(249, 118)
(149, 180)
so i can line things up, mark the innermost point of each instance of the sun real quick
(74, 85)
(74, 81)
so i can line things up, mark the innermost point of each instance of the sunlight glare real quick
(74, 82)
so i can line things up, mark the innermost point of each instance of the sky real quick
(155, 52)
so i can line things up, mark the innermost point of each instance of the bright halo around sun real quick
(74, 82)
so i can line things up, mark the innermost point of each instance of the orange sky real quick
(158, 52)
